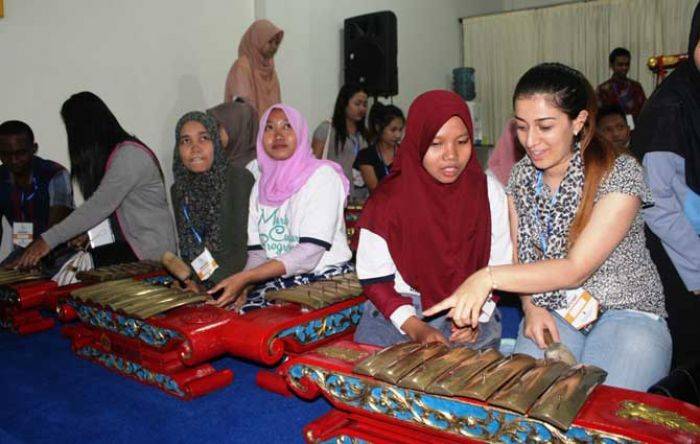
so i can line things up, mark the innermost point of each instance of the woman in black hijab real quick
(667, 140)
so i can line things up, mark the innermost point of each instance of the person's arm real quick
(501, 234)
(60, 197)
(234, 229)
(369, 176)
(537, 319)
(376, 271)
(610, 221)
(319, 139)
(239, 82)
(129, 167)
(665, 172)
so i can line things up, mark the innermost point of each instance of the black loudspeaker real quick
(370, 53)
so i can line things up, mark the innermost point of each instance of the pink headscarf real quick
(280, 179)
(506, 153)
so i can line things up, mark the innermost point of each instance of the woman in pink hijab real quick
(506, 153)
(296, 228)
(253, 76)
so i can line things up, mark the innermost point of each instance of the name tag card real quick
(487, 310)
(581, 309)
(22, 233)
(102, 234)
(204, 265)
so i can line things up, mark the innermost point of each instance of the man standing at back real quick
(34, 193)
(619, 90)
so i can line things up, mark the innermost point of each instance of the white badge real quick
(22, 233)
(204, 265)
(101, 234)
(630, 121)
(581, 308)
(487, 310)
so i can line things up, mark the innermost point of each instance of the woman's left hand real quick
(232, 287)
(34, 252)
(466, 302)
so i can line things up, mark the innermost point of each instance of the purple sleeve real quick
(302, 259)
(255, 259)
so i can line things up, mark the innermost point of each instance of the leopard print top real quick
(628, 278)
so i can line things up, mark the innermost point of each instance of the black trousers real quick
(682, 305)
(115, 253)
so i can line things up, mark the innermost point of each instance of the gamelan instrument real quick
(413, 393)
(166, 337)
(660, 65)
(352, 215)
(24, 294)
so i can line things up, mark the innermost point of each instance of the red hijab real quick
(438, 234)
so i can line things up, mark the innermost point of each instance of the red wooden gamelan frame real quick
(206, 332)
(26, 317)
(600, 413)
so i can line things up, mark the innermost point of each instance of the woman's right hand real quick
(537, 320)
(233, 288)
(422, 332)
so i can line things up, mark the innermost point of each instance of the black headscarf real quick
(670, 119)
(201, 192)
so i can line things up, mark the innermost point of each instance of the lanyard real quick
(381, 159)
(544, 236)
(186, 213)
(355, 142)
(24, 199)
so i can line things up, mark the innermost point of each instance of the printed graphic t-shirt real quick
(314, 214)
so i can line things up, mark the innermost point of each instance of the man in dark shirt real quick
(611, 124)
(34, 193)
(619, 90)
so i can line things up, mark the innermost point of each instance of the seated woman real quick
(374, 162)
(238, 127)
(574, 206)
(210, 200)
(296, 229)
(435, 220)
(120, 179)
(345, 135)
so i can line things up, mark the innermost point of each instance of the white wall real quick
(150, 61)
(310, 59)
(512, 5)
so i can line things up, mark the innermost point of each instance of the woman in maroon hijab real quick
(430, 224)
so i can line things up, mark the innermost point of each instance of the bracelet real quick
(494, 285)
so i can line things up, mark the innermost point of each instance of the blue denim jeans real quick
(633, 347)
(375, 329)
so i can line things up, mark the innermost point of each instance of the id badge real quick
(487, 310)
(204, 265)
(581, 308)
(22, 233)
(101, 234)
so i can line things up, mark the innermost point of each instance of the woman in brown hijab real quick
(253, 75)
(238, 129)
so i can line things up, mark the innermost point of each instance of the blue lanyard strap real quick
(544, 236)
(355, 142)
(26, 198)
(381, 159)
(186, 213)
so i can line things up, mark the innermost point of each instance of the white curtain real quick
(501, 47)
